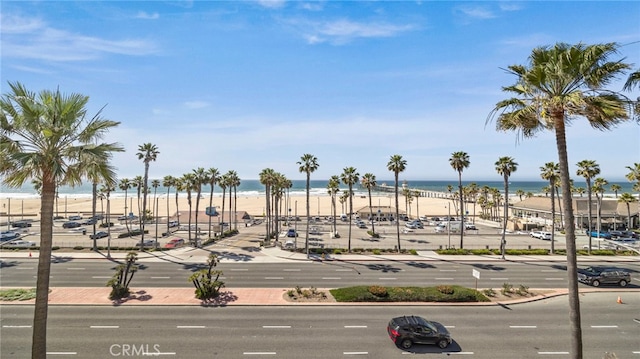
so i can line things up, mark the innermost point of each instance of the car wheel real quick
(406, 343)
(623, 283)
(442, 343)
(595, 283)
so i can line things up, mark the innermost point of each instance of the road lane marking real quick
(553, 353)
(554, 279)
(155, 354)
(523, 326)
(355, 326)
(355, 353)
(160, 277)
(387, 278)
(101, 277)
(273, 277)
(75, 268)
(549, 270)
(276, 327)
(603, 326)
(449, 326)
(444, 278)
(239, 269)
(448, 270)
(26, 268)
(344, 270)
(190, 326)
(62, 353)
(104, 326)
(16, 326)
(259, 353)
(331, 278)
(498, 278)
(291, 270)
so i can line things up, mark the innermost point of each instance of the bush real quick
(445, 289)
(413, 251)
(506, 288)
(408, 294)
(489, 292)
(337, 251)
(78, 248)
(376, 252)
(373, 234)
(378, 291)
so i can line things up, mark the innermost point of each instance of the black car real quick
(596, 276)
(71, 225)
(21, 224)
(99, 235)
(408, 330)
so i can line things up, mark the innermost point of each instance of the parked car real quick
(20, 244)
(99, 235)
(408, 330)
(148, 243)
(174, 224)
(21, 224)
(596, 276)
(541, 235)
(8, 235)
(292, 233)
(90, 221)
(75, 218)
(410, 225)
(71, 225)
(470, 227)
(596, 234)
(629, 234)
(174, 243)
(361, 225)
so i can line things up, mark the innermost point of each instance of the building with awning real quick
(379, 212)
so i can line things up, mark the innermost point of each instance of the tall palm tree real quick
(551, 172)
(559, 84)
(168, 182)
(147, 152)
(615, 188)
(107, 189)
(47, 136)
(223, 183)
(137, 184)
(396, 165)
(634, 173)
(598, 188)
(627, 199)
(214, 176)
(267, 177)
(369, 182)
(155, 184)
(505, 166)
(125, 185)
(588, 169)
(473, 193)
(350, 177)
(179, 185)
(308, 164)
(520, 193)
(333, 187)
(234, 182)
(200, 177)
(97, 171)
(189, 184)
(277, 190)
(459, 161)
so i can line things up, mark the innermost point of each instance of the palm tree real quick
(107, 189)
(369, 181)
(168, 182)
(214, 176)
(459, 161)
(561, 83)
(97, 171)
(634, 173)
(47, 136)
(277, 190)
(155, 184)
(308, 163)
(189, 184)
(588, 169)
(223, 183)
(124, 185)
(551, 172)
(598, 188)
(137, 184)
(615, 188)
(520, 193)
(396, 165)
(350, 177)
(505, 166)
(473, 193)
(580, 190)
(333, 187)
(234, 182)
(200, 177)
(628, 198)
(179, 185)
(146, 152)
(267, 176)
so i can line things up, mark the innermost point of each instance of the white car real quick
(8, 235)
(20, 244)
(541, 235)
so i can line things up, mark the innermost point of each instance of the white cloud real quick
(476, 12)
(196, 104)
(272, 4)
(147, 16)
(11, 24)
(344, 31)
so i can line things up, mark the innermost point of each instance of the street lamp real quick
(295, 228)
(449, 225)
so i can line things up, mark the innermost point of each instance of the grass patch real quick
(364, 293)
(17, 294)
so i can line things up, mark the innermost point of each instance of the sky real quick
(249, 85)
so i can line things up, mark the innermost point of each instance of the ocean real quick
(317, 188)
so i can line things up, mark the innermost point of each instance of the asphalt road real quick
(533, 330)
(95, 273)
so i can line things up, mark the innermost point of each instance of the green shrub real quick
(378, 291)
(337, 251)
(408, 294)
(78, 248)
(489, 292)
(445, 289)
(376, 252)
(413, 251)
(522, 290)
(506, 288)
(17, 294)
(373, 234)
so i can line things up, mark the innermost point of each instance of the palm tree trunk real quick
(397, 213)
(373, 229)
(461, 210)
(94, 203)
(306, 235)
(572, 268)
(503, 241)
(553, 216)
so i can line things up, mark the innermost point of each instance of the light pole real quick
(295, 228)
(449, 225)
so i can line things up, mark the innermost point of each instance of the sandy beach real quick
(254, 205)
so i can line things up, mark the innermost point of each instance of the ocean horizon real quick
(317, 188)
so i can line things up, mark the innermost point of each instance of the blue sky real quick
(248, 85)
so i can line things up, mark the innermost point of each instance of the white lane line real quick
(444, 278)
(104, 326)
(291, 270)
(448, 270)
(603, 326)
(355, 326)
(449, 326)
(344, 270)
(62, 353)
(635, 352)
(387, 278)
(553, 353)
(355, 353)
(554, 279)
(101, 277)
(160, 277)
(549, 270)
(276, 327)
(331, 278)
(457, 353)
(76, 268)
(273, 277)
(16, 326)
(259, 353)
(498, 278)
(24, 268)
(523, 326)
(239, 269)
(190, 326)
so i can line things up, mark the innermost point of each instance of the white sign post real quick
(476, 275)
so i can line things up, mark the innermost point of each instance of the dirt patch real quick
(499, 296)
(311, 295)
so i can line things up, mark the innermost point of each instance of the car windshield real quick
(592, 270)
(427, 324)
